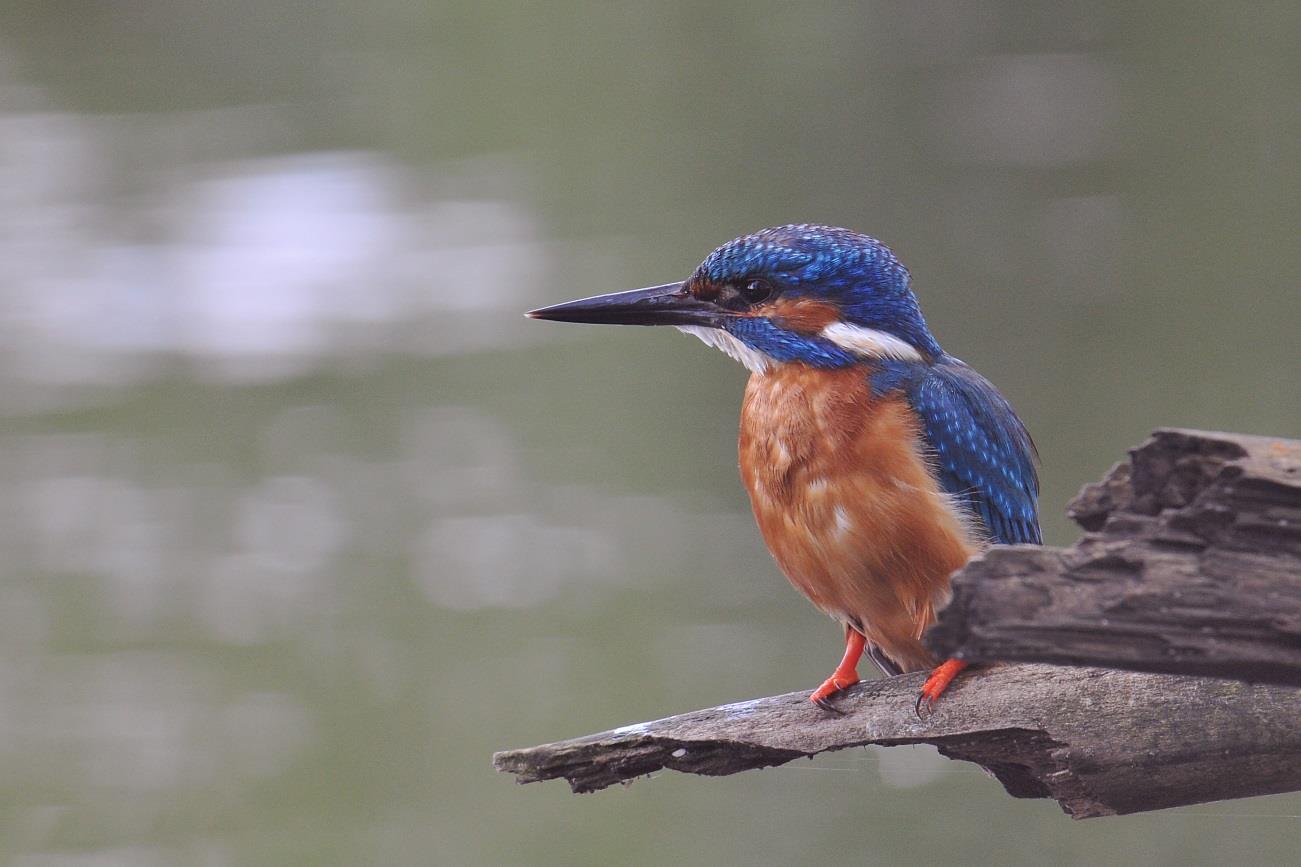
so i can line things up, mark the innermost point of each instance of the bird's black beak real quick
(670, 304)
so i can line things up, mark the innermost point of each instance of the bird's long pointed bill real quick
(669, 304)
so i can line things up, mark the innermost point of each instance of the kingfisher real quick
(876, 463)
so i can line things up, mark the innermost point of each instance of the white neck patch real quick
(754, 360)
(869, 343)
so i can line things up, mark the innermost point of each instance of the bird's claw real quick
(936, 683)
(825, 703)
(832, 685)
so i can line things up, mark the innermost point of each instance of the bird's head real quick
(818, 295)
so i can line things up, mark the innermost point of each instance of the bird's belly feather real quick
(848, 505)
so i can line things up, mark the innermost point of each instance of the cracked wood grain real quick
(1192, 566)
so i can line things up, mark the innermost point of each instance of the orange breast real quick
(847, 505)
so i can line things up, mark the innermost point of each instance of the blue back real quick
(982, 453)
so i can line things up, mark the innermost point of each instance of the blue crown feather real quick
(856, 272)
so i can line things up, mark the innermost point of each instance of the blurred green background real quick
(301, 519)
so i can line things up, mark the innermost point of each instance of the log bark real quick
(1101, 742)
(1192, 566)
(1189, 579)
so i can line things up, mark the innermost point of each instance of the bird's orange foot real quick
(845, 675)
(832, 685)
(941, 676)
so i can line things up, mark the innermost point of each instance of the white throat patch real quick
(869, 343)
(754, 360)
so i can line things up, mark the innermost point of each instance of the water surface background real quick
(301, 519)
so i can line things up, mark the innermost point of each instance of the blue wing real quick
(982, 452)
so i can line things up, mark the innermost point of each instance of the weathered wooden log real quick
(1190, 576)
(1101, 742)
(1192, 566)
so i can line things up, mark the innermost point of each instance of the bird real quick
(876, 463)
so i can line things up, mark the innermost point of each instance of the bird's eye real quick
(756, 290)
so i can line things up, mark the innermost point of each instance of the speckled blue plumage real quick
(981, 452)
(786, 346)
(857, 272)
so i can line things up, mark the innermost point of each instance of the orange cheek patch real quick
(804, 315)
